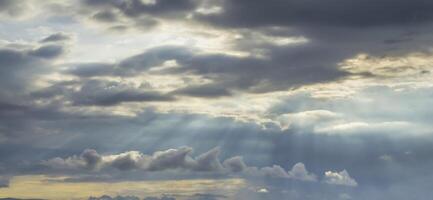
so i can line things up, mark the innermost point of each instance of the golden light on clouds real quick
(54, 188)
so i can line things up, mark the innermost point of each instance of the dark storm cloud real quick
(352, 13)
(56, 38)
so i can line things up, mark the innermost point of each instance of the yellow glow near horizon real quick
(44, 187)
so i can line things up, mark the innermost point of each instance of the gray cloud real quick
(91, 69)
(12, 8)
(100, 93)
(235, 164)
(135, 14)
(135, 8)
(20, 65)
(182, 160)
(111, 93)
(299, 172)
(325, 13)
(48, 51)
(206, 91)
(289, 70)
(105, 16)
(56, 37)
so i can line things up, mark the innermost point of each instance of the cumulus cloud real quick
(339, 178)
(235, 164)
(133, 160)
(181, 159)
(299, 172)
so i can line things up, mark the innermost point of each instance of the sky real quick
(216, 99)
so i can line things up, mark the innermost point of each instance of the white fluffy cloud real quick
(339, 178)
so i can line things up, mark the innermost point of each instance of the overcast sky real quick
(216, 99)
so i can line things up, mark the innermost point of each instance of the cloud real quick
(263, 190)
(133, 160)
(105, 16)
(209, 161)
(101, 93)
(135, 8)
(306, 119)
(235, 164)
(134, 14)
(299, 172)
(306, 13)
(275, 171)
(21, 64)
(48, 51)
(56, 37)
(172, 158)
(206, 91)
(13, 8)
(339, 178)
(91, 69)
(226, 72)
(180, 159)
